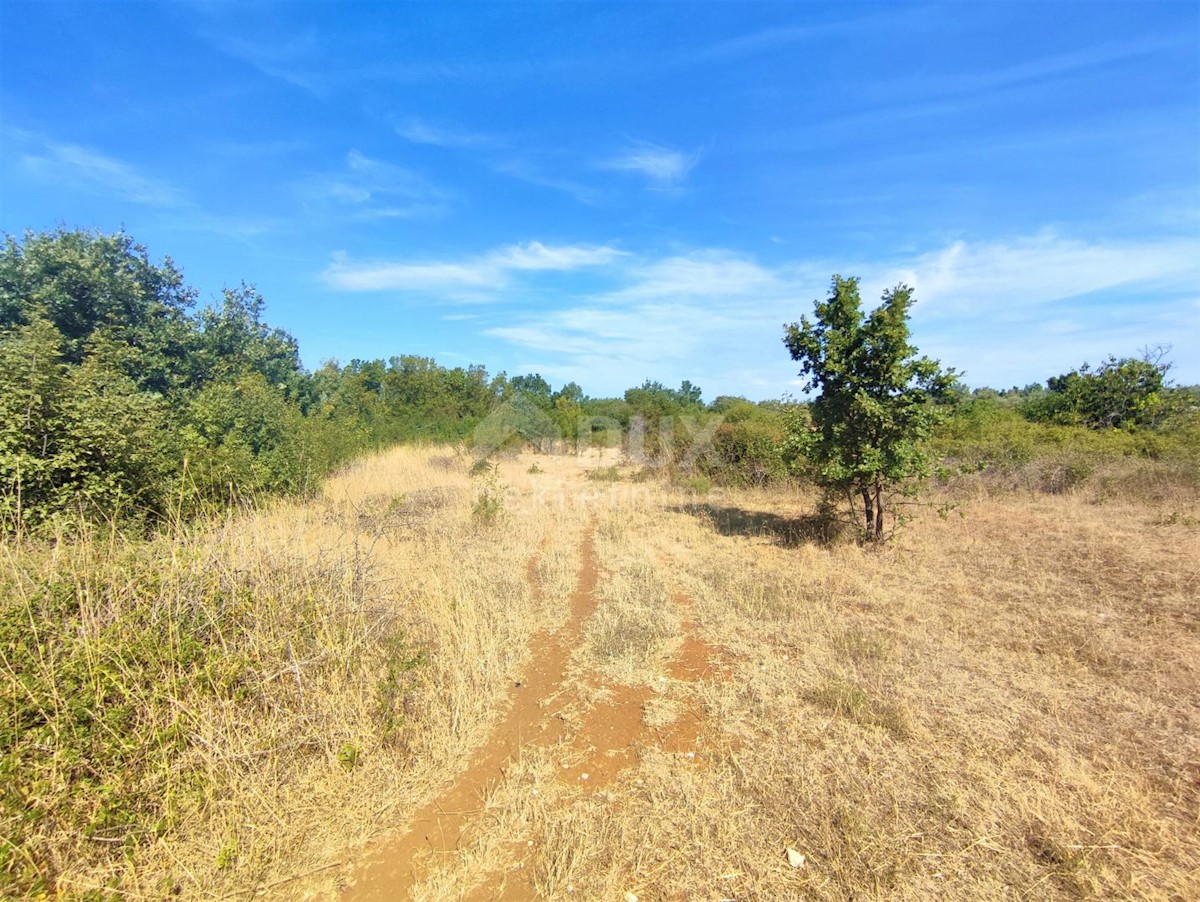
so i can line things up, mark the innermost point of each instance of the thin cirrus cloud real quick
(418, 131)
(288, 58)
(524, 171)
(89, 171)
(662, 167)
(1009, 278)
(472, 279)
(369, 189)
(1037, 71)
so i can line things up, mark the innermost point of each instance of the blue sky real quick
(612, 192)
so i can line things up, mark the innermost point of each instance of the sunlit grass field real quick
(1001, 702)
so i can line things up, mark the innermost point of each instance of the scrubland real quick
(1001, 702)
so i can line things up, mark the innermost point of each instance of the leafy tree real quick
(1123, 393)
(536, 388)
(109, 386)
(877, 400)
(235, 340)
(572, 392)
(567, 414)
(652, 400)
(689, 395)
(74, 437)
(242, 438)
(518, 422)
(84, 282)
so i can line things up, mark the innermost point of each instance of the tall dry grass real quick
(1001, 703)
(240, 702)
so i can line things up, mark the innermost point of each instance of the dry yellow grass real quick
(1001, 704)
(299, 761)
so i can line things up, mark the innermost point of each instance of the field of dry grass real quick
(599, 687)
(1002, 703)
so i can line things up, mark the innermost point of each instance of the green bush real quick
(78, 438)
(113, 656)
(993, 439)
(748, 452)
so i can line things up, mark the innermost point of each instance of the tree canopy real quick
(1120, 393)
(876, 401)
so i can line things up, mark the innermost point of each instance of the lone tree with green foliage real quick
(877, 403)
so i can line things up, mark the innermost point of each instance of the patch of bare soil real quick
(615, 730)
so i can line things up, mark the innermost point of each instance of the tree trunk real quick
(878, 510)
(869, 512)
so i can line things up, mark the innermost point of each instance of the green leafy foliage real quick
(74, 438)
(748, 444)
(877, 400)
(92, 724)
(487, 507)
(1123, 393)
(115, 658)
(117, 402)
(84, 283)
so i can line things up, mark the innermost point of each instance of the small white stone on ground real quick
(795, 859)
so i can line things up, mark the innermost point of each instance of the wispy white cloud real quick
(419, 131)
(537, 256)
(764, 41)
(288, 59)
(323, 63)
(684, 316)
(447, 277)
(1017, 311)
(242, 228)
(1040, 69)
(525, 171)
(1006, 312)
(370, 189)
(92, 172)
(474, 279)
(663, 167)
(1033, 273)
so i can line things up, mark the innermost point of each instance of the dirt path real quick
(610, 738)
(441, 826)
(606, 742)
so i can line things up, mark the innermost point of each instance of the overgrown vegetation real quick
(116, 401)
(119, 401)
(131, 674)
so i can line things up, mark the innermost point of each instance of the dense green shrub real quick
(1124, 393)
(79, 438)
(115, 401)
(749, 452)
(989, 437)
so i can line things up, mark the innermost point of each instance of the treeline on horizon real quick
(121, 400)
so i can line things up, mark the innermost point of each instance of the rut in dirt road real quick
(440, 827)
(611, 737)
